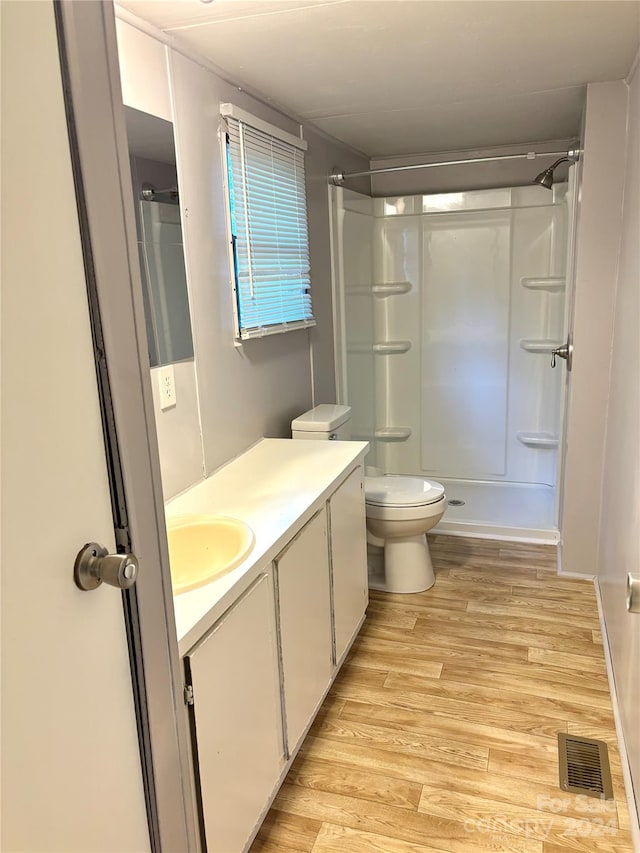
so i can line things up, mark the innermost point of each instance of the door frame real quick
(574, 184)
(97, 136)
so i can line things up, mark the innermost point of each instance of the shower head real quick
(545, 178)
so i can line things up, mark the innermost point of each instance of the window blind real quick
(268, 213)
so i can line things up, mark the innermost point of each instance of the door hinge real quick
(188, 694)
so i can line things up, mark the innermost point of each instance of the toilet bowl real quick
(400, 510)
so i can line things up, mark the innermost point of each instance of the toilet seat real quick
(387, 512)
(399, 491)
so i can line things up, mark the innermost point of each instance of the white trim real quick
(264, 126)
(491, 531)
(634, 816)
(577, 575)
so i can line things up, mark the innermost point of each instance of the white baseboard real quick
(489, 531)
(634, 817)
(576, 575)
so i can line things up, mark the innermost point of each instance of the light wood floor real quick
(439, 735)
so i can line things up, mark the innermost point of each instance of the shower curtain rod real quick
(149, 192)
(338, 178)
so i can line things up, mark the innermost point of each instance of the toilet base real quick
(407, 566)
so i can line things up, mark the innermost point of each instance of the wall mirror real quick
(160, 243)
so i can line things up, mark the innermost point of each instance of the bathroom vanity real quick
(262, 644)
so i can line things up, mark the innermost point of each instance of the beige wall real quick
(596, 260)
(620, 521)
(254, 390)
(506, 173)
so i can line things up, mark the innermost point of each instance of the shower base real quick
(522, 511)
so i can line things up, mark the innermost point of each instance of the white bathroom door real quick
(72, 775)
(71, 769)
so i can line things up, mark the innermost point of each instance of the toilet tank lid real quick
(398, 490)
(323, 418)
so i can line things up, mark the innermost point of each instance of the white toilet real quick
(400, 510)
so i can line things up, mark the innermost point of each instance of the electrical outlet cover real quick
(167, 387)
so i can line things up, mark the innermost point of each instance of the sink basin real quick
(203, 547)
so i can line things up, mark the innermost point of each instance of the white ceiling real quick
(393, 77)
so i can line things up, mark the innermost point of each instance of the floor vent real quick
(584, 766)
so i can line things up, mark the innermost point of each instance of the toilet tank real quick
(325, 422)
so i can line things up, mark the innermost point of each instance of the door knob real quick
(633, 593)
(95, 565)
(565, 351)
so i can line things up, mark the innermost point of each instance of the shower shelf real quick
(391, 347)
(544, 345)
(551, 282)
(541, 440)
(391, 288)
(393, 433)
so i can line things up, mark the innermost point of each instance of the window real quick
(269, 233)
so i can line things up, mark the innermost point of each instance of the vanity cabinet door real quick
(237, 717)
(305, 624)
(348, 538)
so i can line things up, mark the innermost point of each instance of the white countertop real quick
(275, 487)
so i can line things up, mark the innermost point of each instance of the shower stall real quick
(447, 309)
